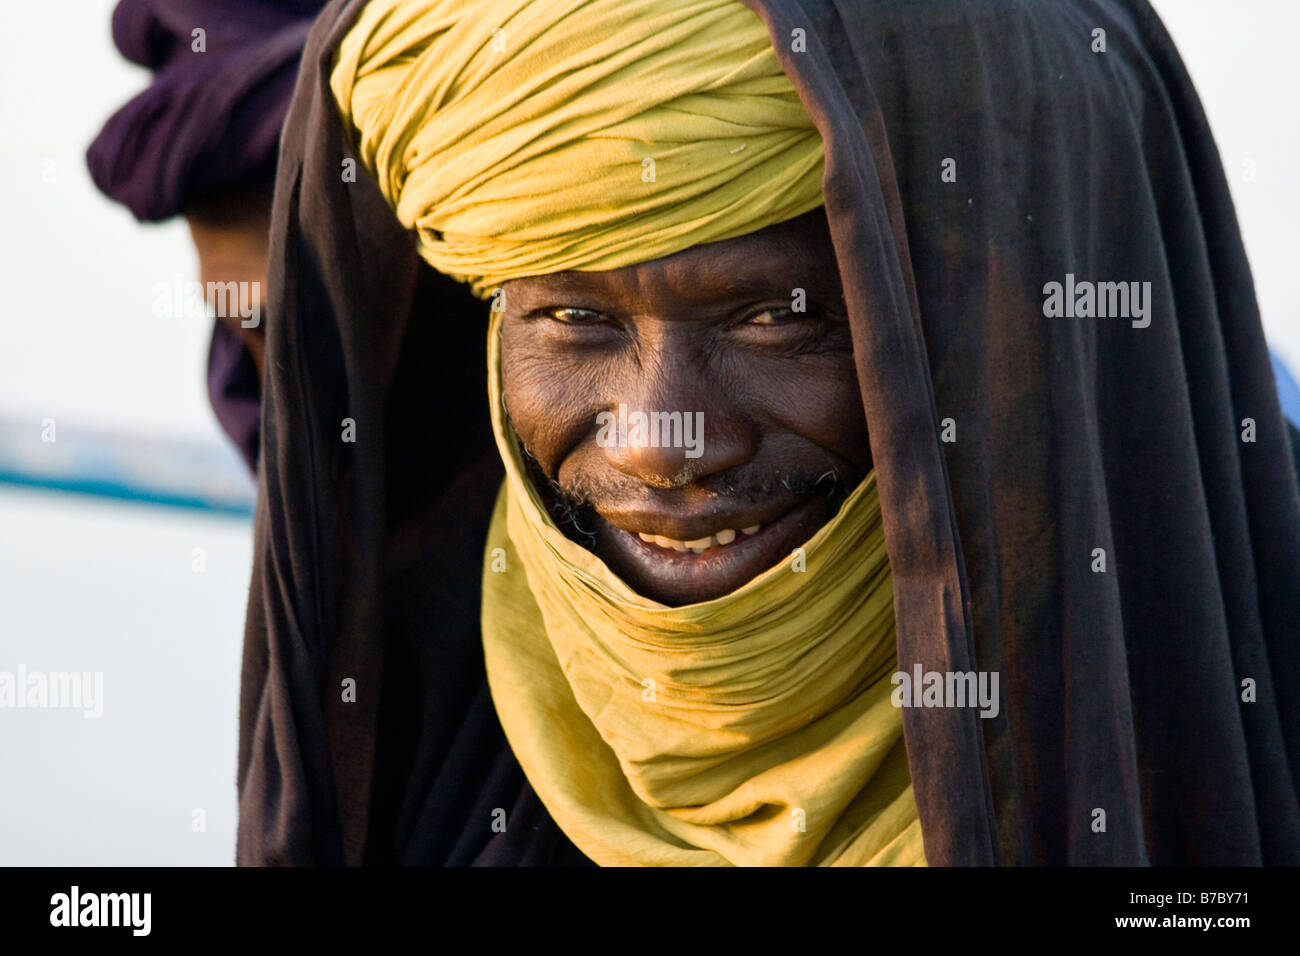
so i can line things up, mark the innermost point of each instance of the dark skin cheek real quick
(817, 399)
(540, 391)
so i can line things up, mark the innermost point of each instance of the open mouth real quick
(687, 570)
(721, 539)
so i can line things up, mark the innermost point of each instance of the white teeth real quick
(752, 529)
(670, 543)
(699, 545)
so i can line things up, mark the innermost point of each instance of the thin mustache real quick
(574, 506)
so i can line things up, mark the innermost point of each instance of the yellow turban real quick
(524, 137)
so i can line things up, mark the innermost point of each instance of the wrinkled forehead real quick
(797, 253)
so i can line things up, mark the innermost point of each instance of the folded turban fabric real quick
(209, 121)
(211, 117)
(520, 138)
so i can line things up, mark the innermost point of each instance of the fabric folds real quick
(755, 729)
(224, 71)
(1009, 448)
(519, 138)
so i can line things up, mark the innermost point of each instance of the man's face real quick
(713, 333)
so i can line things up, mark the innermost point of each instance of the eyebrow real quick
(750, 285)
(726, 286)
(569, 280)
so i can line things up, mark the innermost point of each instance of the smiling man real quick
(689, 644)
(713, 686)
(714, 332)
(482, 632)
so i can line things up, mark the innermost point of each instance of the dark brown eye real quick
(776, 316)
(574, 316)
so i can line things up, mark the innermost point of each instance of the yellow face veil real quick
(755, 729)
(518, 138)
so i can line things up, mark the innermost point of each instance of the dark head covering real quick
(209, 122)
(1121, 690)
(211, 118)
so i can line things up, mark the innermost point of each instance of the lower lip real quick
(721, 568)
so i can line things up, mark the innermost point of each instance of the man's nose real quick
(671, 437)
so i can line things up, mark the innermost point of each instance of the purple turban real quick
(209, 121)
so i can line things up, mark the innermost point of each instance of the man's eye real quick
(778, 316)
(574, 316)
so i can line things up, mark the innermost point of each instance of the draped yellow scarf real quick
(753, 729)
